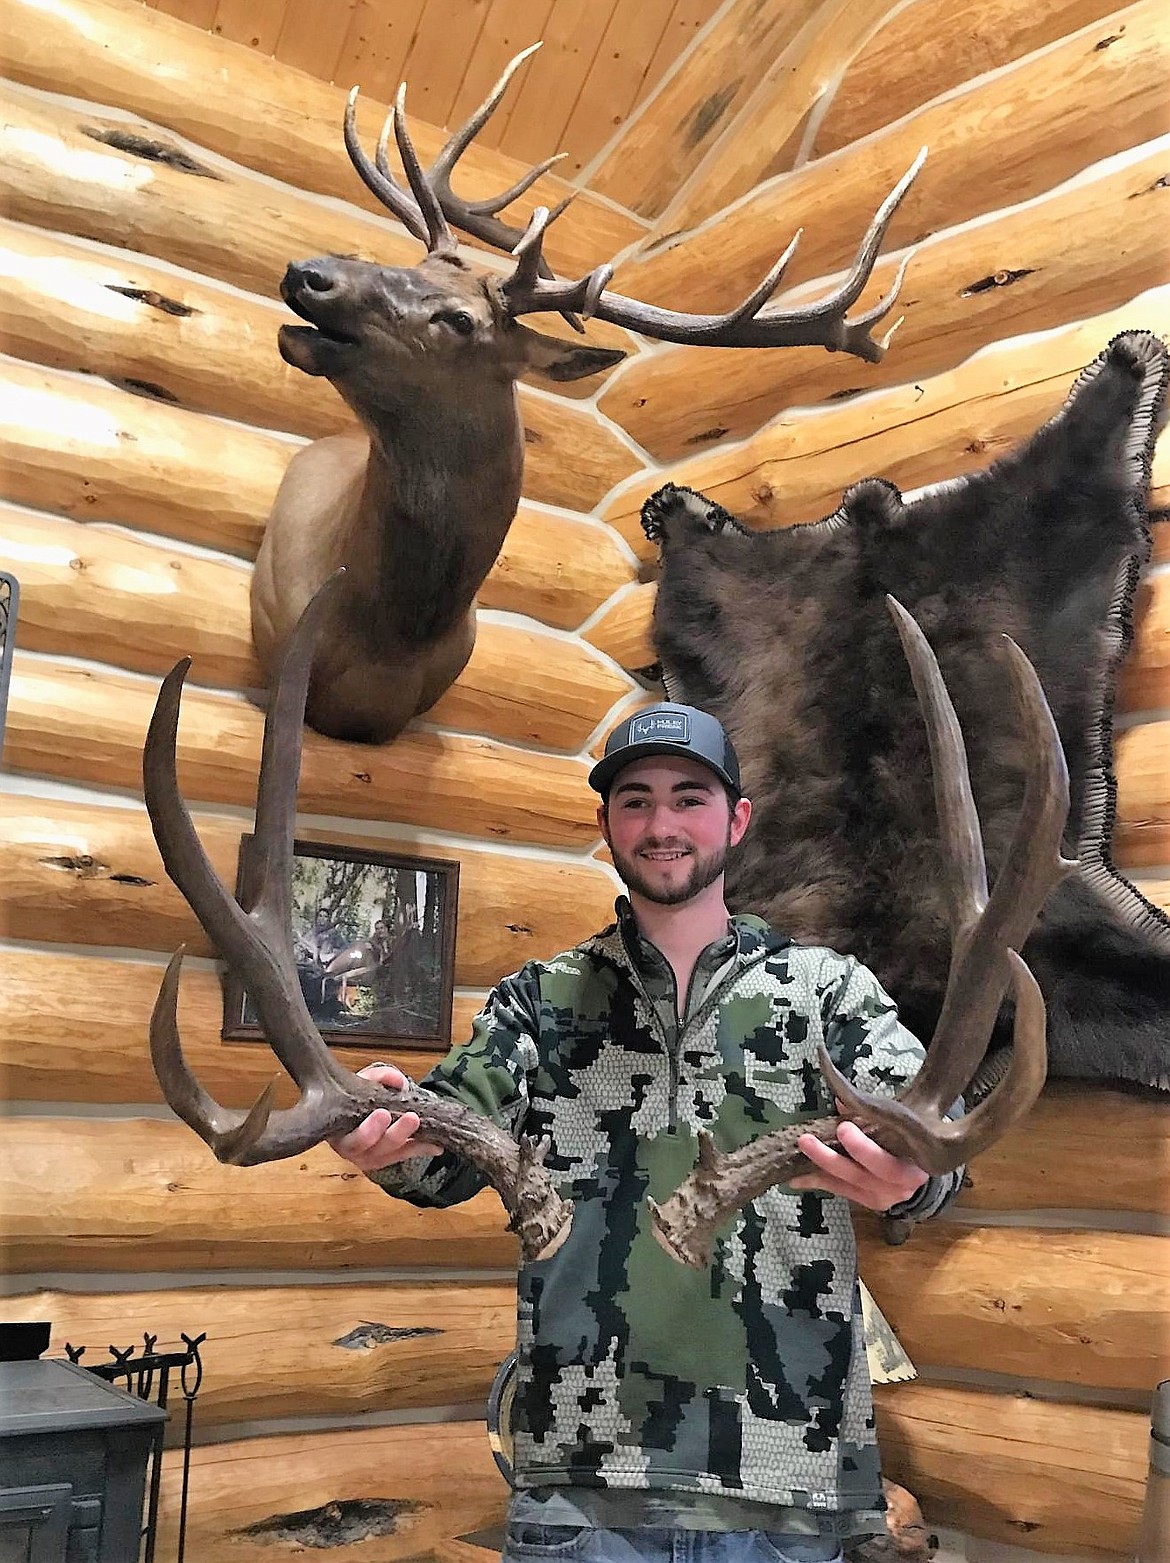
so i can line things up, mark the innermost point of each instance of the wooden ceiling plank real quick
(646, 165)
(254, 23)
(376, 45)
(445, 42)
(197, 13)
(543, 104)
(305, 44)
(614, 84)
(508, 27)
(903, 66)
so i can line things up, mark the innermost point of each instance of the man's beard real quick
(703, 872)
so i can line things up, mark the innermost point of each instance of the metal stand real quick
(1154, 1536)
(149, 1377)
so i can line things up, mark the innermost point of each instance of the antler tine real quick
(939, 1144)
(492, 204)
(570, 298)
(458, 143)
(479, 218)
(378, 180)
(226, 1129)
(960, 838)
(440, 239)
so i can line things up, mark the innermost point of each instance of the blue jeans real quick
(528, 1543)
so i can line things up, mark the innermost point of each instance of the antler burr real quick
(986, 932)
(256, 939)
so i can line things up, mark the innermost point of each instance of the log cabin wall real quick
(157, 176)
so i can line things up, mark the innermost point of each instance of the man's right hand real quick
(382, 1138)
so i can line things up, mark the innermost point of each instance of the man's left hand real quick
(865, 1173)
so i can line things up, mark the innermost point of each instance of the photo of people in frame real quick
(374, 945)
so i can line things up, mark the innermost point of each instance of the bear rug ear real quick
(784, 636)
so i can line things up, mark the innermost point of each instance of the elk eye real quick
(459, 320)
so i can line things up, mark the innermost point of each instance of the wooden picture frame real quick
(374, 934)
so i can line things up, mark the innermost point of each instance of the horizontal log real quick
(1144, 684)
(92, 452)
(137, 188)
(83, 873)
(1047, 1477)
(1141, 838)
(74, 1029)
(1055, 1159)
(212, 349)
(1087, 1309)
(264, 114)
(998, 140)
(409, 1492)
(143, 1194)
(624, 629)
(687, 114)
(1027, 269)
(1084, 1308)
(902, 65)
(82, 726)
(80, 587)
(291, 1351)
(939, 427)
(65, 1007)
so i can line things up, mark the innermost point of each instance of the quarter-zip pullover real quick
(746, 1383)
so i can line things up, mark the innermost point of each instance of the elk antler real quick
(532, 288)
(256, 940)
(822, 324)
(986, 932)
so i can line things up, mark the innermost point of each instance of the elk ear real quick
(563, 360)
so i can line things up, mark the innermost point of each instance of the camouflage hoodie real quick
(747, 1380)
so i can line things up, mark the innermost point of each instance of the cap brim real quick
(602, 775)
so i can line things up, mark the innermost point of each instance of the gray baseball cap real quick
(668, 729)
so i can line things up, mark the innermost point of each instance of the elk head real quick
(256, 939)
(441, 327)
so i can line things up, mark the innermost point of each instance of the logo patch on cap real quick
(661, 727)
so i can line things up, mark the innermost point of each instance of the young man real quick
(720, 1415)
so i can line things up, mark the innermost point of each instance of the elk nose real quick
(315, 276)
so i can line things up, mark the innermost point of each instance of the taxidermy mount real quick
(782, 635)
(417, 502)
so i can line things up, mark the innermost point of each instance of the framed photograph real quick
(374, 938)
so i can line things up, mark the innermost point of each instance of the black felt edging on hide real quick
(785, 636)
